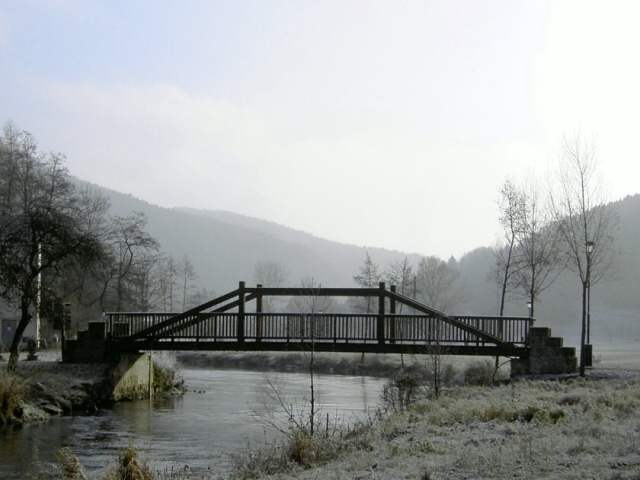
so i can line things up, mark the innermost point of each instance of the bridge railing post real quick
(259, 313)
(392, 311)
(240, 324)
(380, 320)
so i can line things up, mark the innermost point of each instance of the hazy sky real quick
(376, 123)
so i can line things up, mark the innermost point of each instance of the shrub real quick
(400, 392)
(165, 379)
(12, 392)
(480, 373)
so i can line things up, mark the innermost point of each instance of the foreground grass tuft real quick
(130, 467)
(70, 467)
(12, 394)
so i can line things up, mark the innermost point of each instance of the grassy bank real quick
(579, 428)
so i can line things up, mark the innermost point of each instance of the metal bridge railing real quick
(325, 327)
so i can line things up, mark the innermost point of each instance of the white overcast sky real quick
(385, 124)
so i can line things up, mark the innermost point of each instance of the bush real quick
(480, 373)
(12, 392)
(400, 392)
(165, 379)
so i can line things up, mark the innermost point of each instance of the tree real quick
(270, 274)
(585, 222)
(44, 222)
(539, 256)
(511, 211)
(188, 273)
(167, 283)
(144, 281)
(129, 246)
(368, 276)
(400, 274)
(437, 283)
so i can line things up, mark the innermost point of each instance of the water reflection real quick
(198, 430)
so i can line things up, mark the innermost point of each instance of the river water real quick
(223, 411)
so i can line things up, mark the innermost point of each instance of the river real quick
(222, 412)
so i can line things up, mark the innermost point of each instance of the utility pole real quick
(38, 295)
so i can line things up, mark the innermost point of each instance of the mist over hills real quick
(225, 246)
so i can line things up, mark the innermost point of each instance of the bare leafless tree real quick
(511, 212)
(129, 244)
(539, 253)
(438, 283)
(587, 225)
(188, 273)
(400, 274)
(269, 274)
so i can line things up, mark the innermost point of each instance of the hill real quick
(225, 246)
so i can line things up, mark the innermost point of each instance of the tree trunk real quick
(25, 318)
(583, 329)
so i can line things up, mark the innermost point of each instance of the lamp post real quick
(529, 308)
(588, 347)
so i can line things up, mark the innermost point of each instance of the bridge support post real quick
(392, 311)
(240, 324)
(380, 321)
(259, 313)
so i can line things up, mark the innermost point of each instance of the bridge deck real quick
(224, 324)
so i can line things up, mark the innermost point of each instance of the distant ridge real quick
(225, 246)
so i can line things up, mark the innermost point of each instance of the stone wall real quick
(546, 355)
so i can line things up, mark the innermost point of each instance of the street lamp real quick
(529, 307)
(589, 245)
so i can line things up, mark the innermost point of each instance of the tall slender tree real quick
(511, 211)
(539, 255)
(586, 223)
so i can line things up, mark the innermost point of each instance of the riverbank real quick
(575, 428)
(45, 387)
(326, 363)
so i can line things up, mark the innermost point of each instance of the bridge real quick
(237, 321)
(214, 326)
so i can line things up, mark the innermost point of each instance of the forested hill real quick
(224, 247)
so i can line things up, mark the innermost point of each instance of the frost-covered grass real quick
(582, 429)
